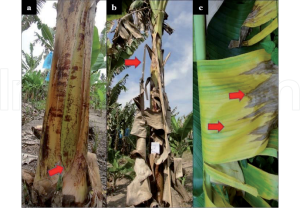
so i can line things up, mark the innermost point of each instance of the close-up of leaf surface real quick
(237, 161)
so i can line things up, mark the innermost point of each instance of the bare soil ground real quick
(118, 198)
(30, 143)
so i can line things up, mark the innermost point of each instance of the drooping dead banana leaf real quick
(155, 119)
(141, 169)
(94, 176)
(178, 167)
(138, 192)
(140, 150)
(139, 126)
(177, 185)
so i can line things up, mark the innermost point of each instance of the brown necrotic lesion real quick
(265, 98)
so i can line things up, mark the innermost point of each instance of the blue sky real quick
(178, 70)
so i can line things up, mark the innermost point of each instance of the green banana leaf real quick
(225, 26)
(95, 46)
(98, 64)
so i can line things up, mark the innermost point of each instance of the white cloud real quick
(182, 21)
(182, 67)
(100, 16)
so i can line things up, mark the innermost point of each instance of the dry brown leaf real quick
(123, 32)
(141, 169)
(27, 176)
(94, 175)
(163, 156)
(139, 126)
(178, 167)
(140, 149)
(138, 192)
(132, 29)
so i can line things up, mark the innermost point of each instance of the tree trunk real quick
(66, 120)
(157, 74)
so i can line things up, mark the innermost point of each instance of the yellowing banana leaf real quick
(231, 169)
(263, 12)
(228, 180)
(247, 122)
(265, 183)
(261, 35)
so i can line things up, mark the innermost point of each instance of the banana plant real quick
(65, 126)
(118, 170)
(33, 87)
(238, 162)
(180, 140)
(131, 30)
(159, 106)
(98, 80)
(30, 62)
(46, 39)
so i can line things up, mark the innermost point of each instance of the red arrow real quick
(56, 170)
(218, 126)
(132, 62)
(236, 95)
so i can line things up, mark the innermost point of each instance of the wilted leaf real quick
(94, 175)
(132, 29)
